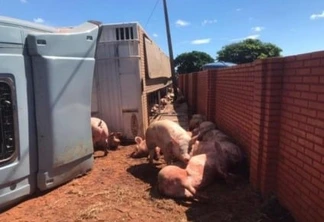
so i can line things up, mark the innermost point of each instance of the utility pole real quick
(174, 80)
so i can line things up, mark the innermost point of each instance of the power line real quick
(151, 13)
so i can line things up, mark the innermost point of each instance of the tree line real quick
(241, 52)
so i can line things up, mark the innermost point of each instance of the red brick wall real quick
(202, 93)
(232, 102)
(195, 91)
(275, 109)
(300, 175)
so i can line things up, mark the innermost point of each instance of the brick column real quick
(211, 96)
(266, 122)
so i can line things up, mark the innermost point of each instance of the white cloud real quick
(180, 22)
(39, 20)
(23, 1)
(257, 28)
(317, 16)
(155, 35)
(252, 37)
(247, 37)
(206, 21)
(201, 41)
(238, 9)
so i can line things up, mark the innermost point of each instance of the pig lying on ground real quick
(200, 171)
(235, 155)
(172, 139)
(101, 137)
(195, 121)
(203, 128)
(213, 135)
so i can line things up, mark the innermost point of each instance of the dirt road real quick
(120, 188)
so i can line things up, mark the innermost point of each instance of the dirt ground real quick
(120, 188)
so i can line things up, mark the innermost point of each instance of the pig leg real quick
(157, 153)
(151, 149)
(168, 153)
(106, 147)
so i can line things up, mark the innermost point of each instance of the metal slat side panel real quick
(119, 61)
(94, 95)
(109, 94)
(145, 117)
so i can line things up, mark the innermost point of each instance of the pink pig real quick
(211, 160)
(201, 171)
(101, 137)
(173, 140)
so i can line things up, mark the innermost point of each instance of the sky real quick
(296, 26)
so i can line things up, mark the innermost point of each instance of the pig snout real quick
(185, 157)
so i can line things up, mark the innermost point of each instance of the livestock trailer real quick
(46, 79)
(131, 74)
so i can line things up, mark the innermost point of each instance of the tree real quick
(191, 61)
(247, 51)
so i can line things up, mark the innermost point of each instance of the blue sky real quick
(297, 26)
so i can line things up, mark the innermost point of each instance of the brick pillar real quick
(211, 96)
(202, 93)
(186, 83)
(189, 94)
(180, 82)
(194, 92)
(266, 122)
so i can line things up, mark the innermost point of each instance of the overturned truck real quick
(45, 105)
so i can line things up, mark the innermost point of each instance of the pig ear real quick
(138, 139)
(193, 139)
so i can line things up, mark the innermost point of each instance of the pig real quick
(202, 169)
(232, 153)
(142, 151)
(195, 121)
(101, 136)
(213, 135)
(180, 99)
(163, 101)
(114, 140)
(169, 97)
(172, 139)
(155, 109)
(203, 128)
